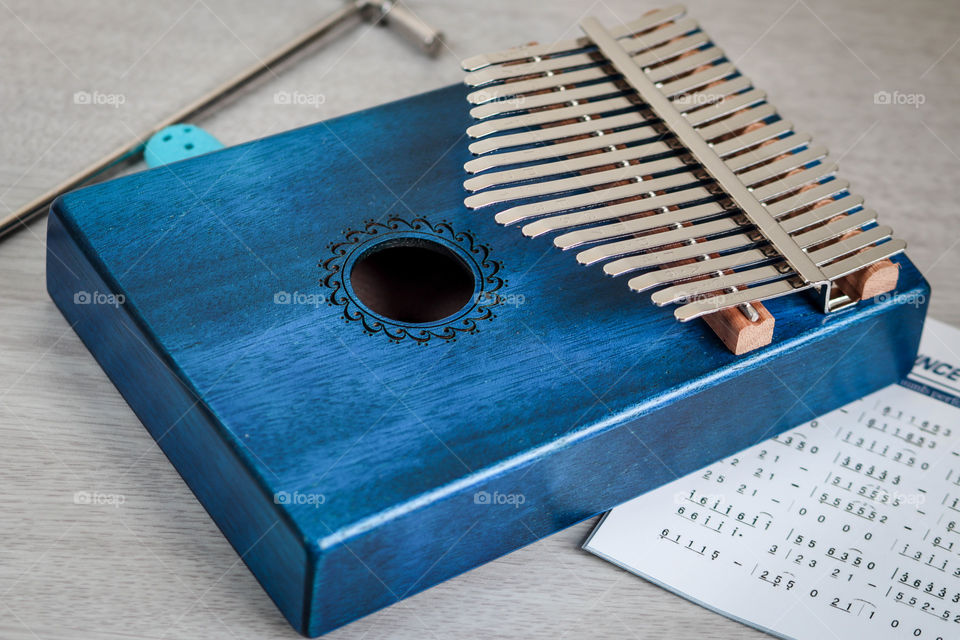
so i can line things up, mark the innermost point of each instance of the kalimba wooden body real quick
(353, 460)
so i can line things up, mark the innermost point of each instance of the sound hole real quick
(412, 280)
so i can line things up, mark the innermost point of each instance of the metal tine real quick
(822, 234)
(552, 170)
(860, 260)
(687, 290)
(590, 74)
(797, 180)
(755, 137)
(689, 102)
(654, 240)
(815, 216)
(670, 49)
(597, 178)
(639, 225)
(766, 152)
(609, 212)
(496, 143)
(560, 64)
(525, 103)
(560, 150)
(759, 293)
(559, 95)
(723, 107)
(671, 275)
(694, 80)
(557, 205)
(656, 40)
(508, 90)
(519, 88)
(648, 21)
(548, 116)
(647, 260)
(849, 245)
(836, 228)
(703, 230)
(553, 178)
(684, 65)
(783, 165)
(736, 122)
(803, 199)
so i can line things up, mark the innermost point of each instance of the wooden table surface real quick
(153, 565)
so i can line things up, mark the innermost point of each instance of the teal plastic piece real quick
(178, 142)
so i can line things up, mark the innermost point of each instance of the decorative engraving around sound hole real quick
(413, 280)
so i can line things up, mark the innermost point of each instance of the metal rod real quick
(41, 204)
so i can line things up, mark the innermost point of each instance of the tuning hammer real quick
(391, 12)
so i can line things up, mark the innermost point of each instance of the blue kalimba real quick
(372, 387)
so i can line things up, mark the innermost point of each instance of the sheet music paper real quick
(844, 527)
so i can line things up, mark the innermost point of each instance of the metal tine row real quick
(667, 219)
(627, 171)
(610, 212)
(558, 150)
(838, 269)
(764, 273)
(830, 257)
(558, 65)
(588, 112)
(630, 190)
(587, 127)
(555, 82)
(560, 220)
(548, 116)
(624, 157)
(646, 224)
(679, 292)
(584, 181)
(558, 167)
(511, 96)
(560, 94)
(610, 250)
(581, 200)
(563, 165)
(570, 107)
(644, 23)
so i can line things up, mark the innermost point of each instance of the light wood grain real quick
(155, 566)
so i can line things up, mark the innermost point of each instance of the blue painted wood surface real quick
(423, 458)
